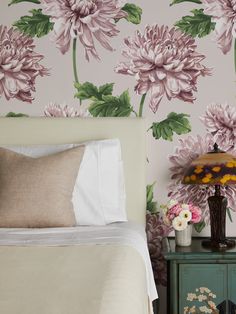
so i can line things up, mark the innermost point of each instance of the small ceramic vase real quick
(184, 237)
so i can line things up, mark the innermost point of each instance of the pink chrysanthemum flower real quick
(58, 111)
(165, 62)
(188, 150)
(84, 19)
(223, 13)
(156, 230)
(220, 121)
(19, 65)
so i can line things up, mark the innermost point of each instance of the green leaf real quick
(199, 24)
(86, 91)
(111, 106)
(179, 1)
(15, 115)
(175, 122)
(149, 192)
(200, 226)
(228, 209)
(104, 104)
(134, 13)
(37, 25)
(151, 205)
(106, 89)
(18, 1)
(90, 91)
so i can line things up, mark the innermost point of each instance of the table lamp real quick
(216, 168)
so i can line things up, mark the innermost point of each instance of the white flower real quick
(204, 289)
(204, 309)
(192, 309)
(179, 224)
(212, 305)
(202, 297)
(191, 296)
(186, 215)
(186, 310)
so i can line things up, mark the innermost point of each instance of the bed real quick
(84, 269)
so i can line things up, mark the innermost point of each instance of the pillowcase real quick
(37, 192)
(99, 191)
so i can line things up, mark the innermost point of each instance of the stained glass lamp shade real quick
(216, 168)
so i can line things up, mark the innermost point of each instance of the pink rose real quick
(196, 213)
(174, 211)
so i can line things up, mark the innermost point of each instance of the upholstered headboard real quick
(130, 131)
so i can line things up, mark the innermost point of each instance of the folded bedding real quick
(77, 270)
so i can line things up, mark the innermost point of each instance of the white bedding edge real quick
(125, 233)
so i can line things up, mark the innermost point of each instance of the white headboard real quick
(130, 131)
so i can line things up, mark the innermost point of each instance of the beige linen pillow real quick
(37, 192)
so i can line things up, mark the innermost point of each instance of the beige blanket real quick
(84, 279)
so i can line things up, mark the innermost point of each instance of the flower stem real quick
(74, 61)
(75, 65)
(140, 113)
(235, 55)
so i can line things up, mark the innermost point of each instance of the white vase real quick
(184, 237)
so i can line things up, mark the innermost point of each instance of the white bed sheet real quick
(125, 233)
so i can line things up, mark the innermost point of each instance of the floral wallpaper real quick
(171, 61)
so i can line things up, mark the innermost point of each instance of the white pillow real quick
(99, 192)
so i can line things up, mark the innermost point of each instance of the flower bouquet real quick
(202, 295)
(181, 217)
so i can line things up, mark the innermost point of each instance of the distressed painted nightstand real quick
(190, 268)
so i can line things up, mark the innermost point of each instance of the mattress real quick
(80, 270)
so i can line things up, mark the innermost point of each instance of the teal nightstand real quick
(190, 268)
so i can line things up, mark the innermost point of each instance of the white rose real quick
(179, 224)
(185, 214)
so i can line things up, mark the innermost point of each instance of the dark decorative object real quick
(216, 168)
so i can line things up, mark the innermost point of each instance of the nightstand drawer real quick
(194, 276)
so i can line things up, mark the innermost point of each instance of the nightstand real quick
(190, 268)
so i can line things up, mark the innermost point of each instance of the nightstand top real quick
(195, 251)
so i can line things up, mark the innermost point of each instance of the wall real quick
(56, 84)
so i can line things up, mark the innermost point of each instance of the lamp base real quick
(223, 244)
